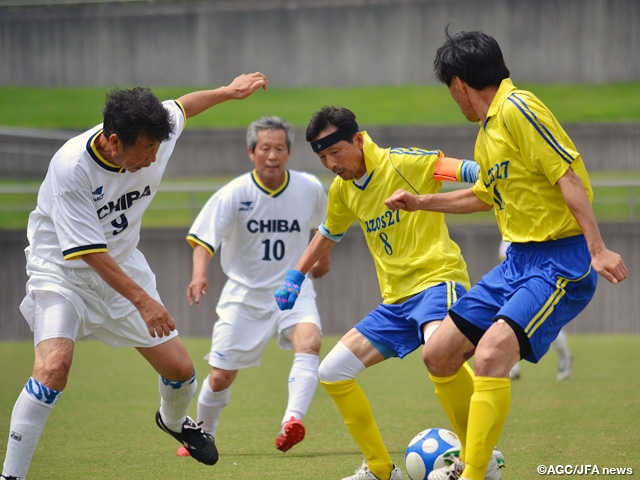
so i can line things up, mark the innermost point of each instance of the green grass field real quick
(379, 105)
(103, 427)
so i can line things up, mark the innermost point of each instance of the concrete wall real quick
(311, 42)
(346, 294)
(26, 153)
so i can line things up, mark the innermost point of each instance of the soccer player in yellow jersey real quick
(535, 181)
(420, 270)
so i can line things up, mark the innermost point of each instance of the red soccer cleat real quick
(292, 432)
(183, 452)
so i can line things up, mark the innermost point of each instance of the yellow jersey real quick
(411, 251)
(523, 151)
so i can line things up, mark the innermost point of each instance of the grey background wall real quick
(346, 294)
(311, 42)
(26, 153)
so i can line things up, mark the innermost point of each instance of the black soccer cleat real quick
(200, 445)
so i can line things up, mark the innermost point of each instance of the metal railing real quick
(628, 200)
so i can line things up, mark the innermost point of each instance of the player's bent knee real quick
(339, 364)
(439, 364)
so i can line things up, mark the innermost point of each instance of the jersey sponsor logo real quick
(389, 218)
(497, 172)
(122, 203)
(273, 226)
(246, 207)
(500, 171)
(97, 194)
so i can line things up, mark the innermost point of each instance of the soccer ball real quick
(425, 450)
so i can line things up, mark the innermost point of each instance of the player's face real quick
(343, 158)
(270, 157)
(137, 156)
(459, 92)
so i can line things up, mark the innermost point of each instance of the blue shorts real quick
(396, 329)
(538, 289)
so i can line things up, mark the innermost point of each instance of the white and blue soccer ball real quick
(425, 451)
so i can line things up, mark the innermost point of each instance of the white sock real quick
(30, 414)
(303, 380)
(561, 345)
(175, 400)
(210, 405)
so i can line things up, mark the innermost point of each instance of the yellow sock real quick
(358, 417)
(454, 393)
(489, 408)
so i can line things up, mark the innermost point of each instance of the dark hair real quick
(474, 57)
(339, 117)
(134, 113)
(268, 123)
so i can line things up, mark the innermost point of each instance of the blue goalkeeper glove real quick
(288, 292)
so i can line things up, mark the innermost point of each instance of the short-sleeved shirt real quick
(523, 151)
(262, 232)
(88, 205)
(412, 251)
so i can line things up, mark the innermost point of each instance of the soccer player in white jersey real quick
(535, 181)
(260, 222)
(86, 275)
(420, 270)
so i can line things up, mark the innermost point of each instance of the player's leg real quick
(497, 351)
(337, 372)
(565, 359)
(445, 356)
(177, 385)
(239, 337)
(541, 301)
(303, 380)
(446, 353)
(214, 397)
(55, 326)
(177, 382)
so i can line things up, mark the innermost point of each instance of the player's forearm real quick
(457, 201)
(318, 248)
(241, 87)
(321, 267)
(195, 103)
(576, 198)
(112, 273)
(201, 259)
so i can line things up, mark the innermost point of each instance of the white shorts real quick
(243, 331)
(101, 310)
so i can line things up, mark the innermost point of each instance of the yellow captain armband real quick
(450, 169)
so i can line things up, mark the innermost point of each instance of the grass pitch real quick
(38, 107)
(103, 427)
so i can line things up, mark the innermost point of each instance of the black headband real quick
(343, 133)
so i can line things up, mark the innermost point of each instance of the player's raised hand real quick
(609, 264)
(287, 294)
(244, 85)
(198, 287)
(402, 200)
